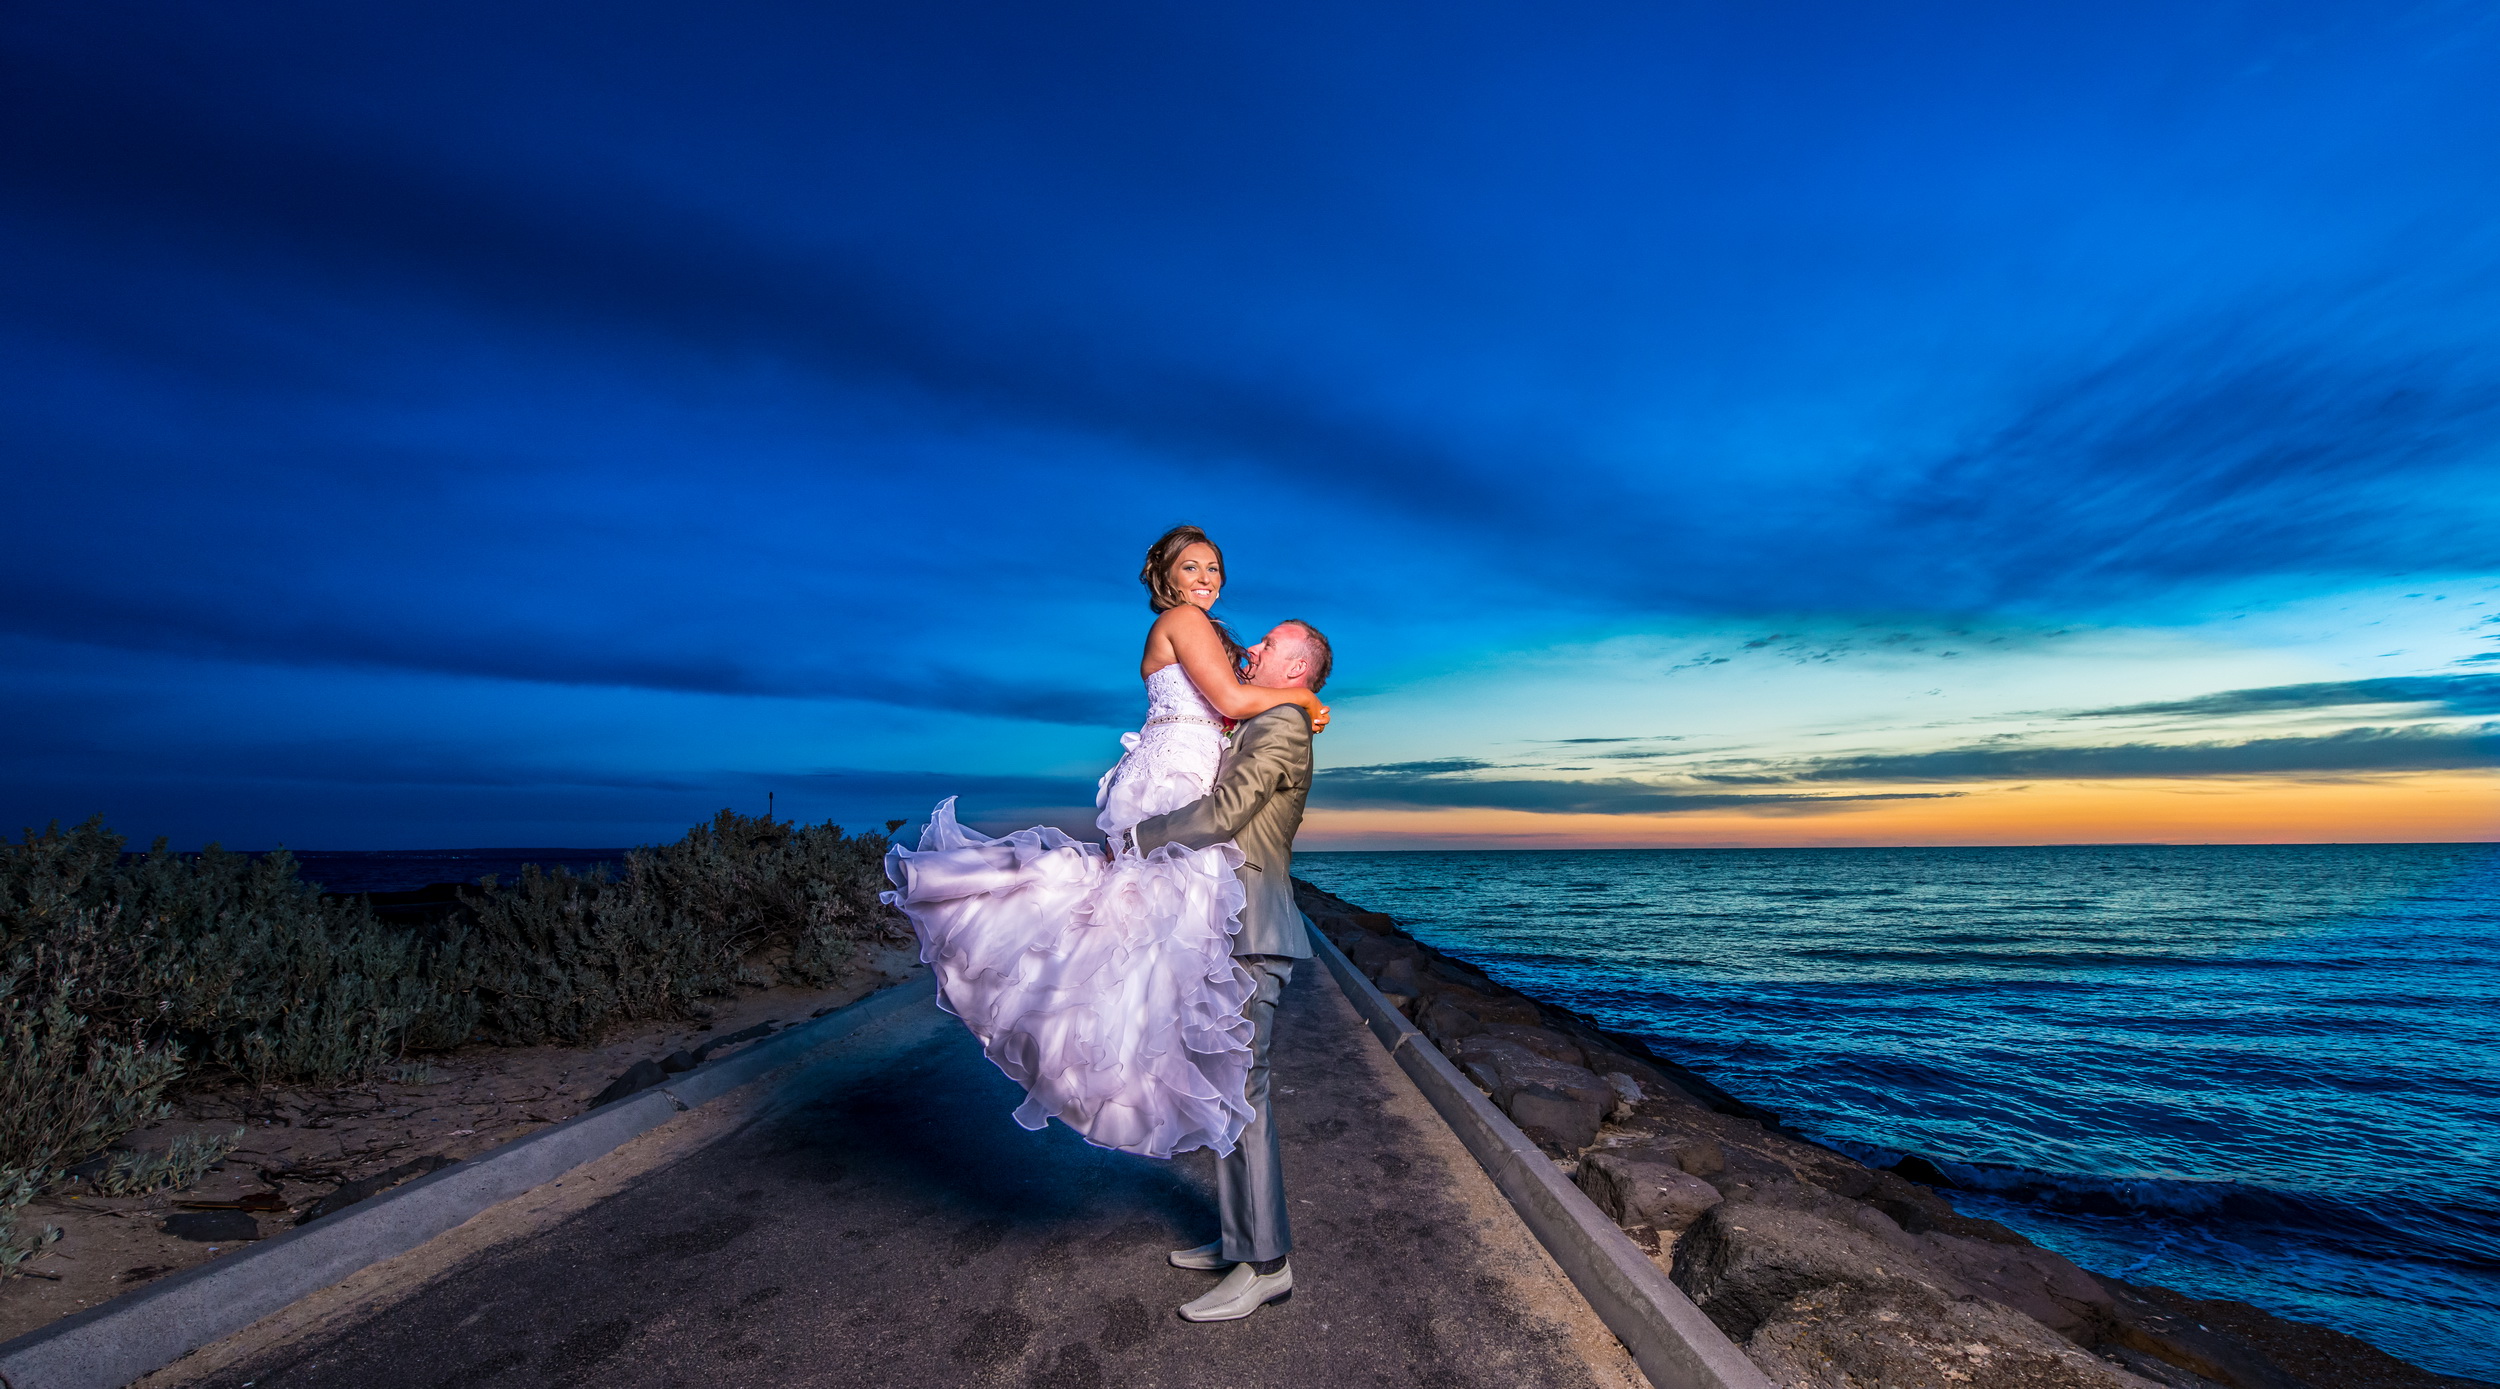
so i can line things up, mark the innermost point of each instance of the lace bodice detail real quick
(1171, 694)
(1170, 762)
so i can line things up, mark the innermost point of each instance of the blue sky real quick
(458, 425)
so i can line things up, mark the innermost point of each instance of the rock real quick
(1918, 1210)
(1398, 977)
(1786, 1193)
(1517, 1066)
(350, 1193)
(1486, 1006)
(1404, 1003)
(1373, 953)
(1920, 1170)
(2159, 1371)
(1493, 1051)
(2030, 1280)
(742, 1035)
(1482, 1073)
(1461, 973)
(1847, 1336)
(213, 1227)
(1750, 1172)
(1375, 923)
(1695, 1153)
(2178, 1331)
(678, 1061)
(1544, 1041)
(1599, 1057)
(1446, 1021)
(1742, 1263)
(1842, 1179)
(1639, 1191)
(270, 1199)
(642, 1075)
(1627, 1093)
(1545, 1113)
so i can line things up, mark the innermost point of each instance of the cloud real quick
(2455, 694)
(1448, 783)
(278, 201)
(2357, 750)
(2216, 451)
(695, 664)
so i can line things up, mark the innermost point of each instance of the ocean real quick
(2269, 1073)
(406, 870)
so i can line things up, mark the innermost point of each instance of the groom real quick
(1257, 804)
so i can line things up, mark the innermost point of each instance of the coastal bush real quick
(118, 972)
(180, 1165)
(68, 1085)
(560, 956)
(739, 900)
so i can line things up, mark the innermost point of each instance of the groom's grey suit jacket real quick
(1257, 804)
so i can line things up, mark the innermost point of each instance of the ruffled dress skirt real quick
(1107, 989)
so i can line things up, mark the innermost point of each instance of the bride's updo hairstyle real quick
(1163, 595)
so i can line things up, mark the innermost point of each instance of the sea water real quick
(2269, 1073)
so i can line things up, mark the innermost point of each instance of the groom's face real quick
(1281, 660)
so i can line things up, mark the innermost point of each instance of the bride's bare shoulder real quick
(1171, 626)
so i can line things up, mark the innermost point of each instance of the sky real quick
(1693, 423)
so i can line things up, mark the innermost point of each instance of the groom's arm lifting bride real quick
(1257, 805)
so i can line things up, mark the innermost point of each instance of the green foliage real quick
(740, 900)
(179, 1166)
(115, 969)
(20, 1241)
(559, 956)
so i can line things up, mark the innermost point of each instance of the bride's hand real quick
(1317, 711)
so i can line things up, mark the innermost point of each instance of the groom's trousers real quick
(1250, 1184)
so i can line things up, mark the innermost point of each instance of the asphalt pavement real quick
(883, 1222)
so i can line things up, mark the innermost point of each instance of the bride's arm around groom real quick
(1258, 797)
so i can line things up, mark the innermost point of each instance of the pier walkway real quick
(879, 1220)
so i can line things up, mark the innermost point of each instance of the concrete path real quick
(883, 1222)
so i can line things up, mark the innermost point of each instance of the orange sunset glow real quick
(2427, 808)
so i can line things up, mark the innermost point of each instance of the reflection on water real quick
(2262, 1072)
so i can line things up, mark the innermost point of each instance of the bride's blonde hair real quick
(1163, 595)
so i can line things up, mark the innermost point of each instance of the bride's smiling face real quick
(1199, 576)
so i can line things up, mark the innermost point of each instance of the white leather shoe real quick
(1243, 1291)
(1208, 1257)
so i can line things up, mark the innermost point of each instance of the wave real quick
(2376, 1226)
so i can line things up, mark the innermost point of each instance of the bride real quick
(1106, 986)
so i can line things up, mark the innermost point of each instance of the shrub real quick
(183, 1163)
(740, 900)
(561, 956)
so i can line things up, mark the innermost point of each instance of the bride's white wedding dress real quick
(1106, 989)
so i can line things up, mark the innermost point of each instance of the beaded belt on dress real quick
(1184, 718)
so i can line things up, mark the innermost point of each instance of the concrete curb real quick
(1674, 1344)
(110, 1345)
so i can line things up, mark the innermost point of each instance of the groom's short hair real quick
(1322, 657)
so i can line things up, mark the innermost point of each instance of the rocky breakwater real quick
(1827, 1273)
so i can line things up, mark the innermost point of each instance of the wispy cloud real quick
(2455, 694)
(1452, 783)
(2353, 751)
(2210, 452)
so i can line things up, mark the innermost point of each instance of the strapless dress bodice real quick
(1172, 695)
